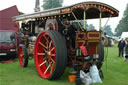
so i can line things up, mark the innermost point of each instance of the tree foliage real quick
(90, 27)
(49, 4)
(108, 30)
(123, 23)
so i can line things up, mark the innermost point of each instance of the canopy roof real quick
(92, 9)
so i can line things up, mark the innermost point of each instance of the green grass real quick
(116, 72)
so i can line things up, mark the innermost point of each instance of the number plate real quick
(3, 53)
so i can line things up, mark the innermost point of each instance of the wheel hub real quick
(49, 53)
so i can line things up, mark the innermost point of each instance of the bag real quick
(85, 77)
(125, 57)
(94, 73)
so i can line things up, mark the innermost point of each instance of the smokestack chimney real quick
(37, 6)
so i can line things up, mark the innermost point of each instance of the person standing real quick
(121, 46)
(126, 47)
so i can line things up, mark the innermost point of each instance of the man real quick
(121, 46)
(126, 47)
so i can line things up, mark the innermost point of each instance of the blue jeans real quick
(126, 50)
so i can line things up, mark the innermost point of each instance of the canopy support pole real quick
(100, 21)
(106, 22)
(77, 20)
(31, 27)
(84, 19)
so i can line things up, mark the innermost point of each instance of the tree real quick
(123, 23)
(49, 4)
(108, 30)
(90, 27)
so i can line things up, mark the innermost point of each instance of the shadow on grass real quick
(32, 70)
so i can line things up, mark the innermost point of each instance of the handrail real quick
(77, 21)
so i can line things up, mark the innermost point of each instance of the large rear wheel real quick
(50, 54)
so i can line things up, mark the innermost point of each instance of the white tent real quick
(124, 35)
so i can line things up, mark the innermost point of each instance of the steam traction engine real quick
(58, 38)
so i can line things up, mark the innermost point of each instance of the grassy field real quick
(115, 72)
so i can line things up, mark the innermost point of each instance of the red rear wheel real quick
(23, 56)
(48, 55)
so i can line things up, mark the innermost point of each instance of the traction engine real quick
(59, 37)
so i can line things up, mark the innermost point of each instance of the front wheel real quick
(23, 56)
(50, 54)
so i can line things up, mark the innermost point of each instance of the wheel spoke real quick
(44, 50)
(47, 69)
(43, 63)
(43, 45)
(50, 44)
(52, 65)
(46, 39)
(40, 53)
(52, 60)
(52, 49)
(47, 45)
(44, 58)
(22, 55)
(53, 55)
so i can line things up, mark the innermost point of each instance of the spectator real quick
(126, 48)
(121, 46)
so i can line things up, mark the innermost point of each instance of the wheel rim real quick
(44, 55)
(21, 56)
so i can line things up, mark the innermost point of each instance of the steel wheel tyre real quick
(50, 55)
(101, 55)
(23, 56)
